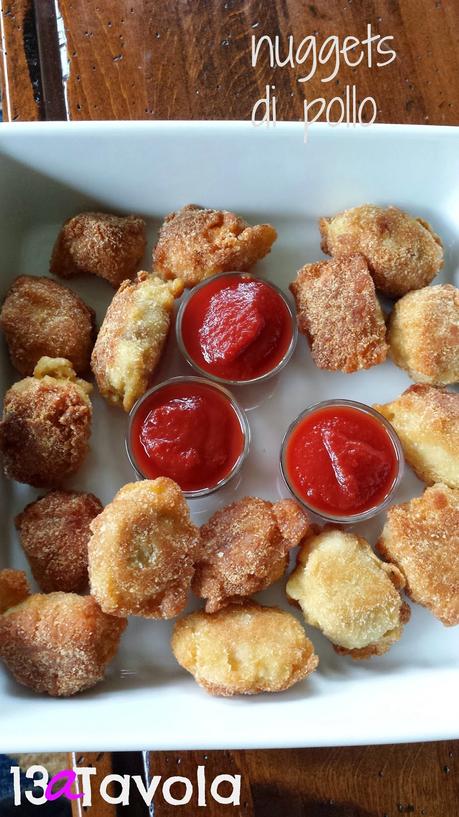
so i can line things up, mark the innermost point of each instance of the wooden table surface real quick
(191, 59)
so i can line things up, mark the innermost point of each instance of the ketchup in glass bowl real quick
(236, 329)
(191, 430)
(342, 460)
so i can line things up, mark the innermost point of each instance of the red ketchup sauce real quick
(341, 461)
(189, 432)
(236, 327)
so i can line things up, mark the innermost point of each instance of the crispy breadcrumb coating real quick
(243, 649)
(421, 538)
(348, 593)
(424, 334)
(195, 243)
(54, 533)
(244, 549)
(142, 551)
(340, 315)
(111, 247)
(14, 588)
(427, 421)
(42, 318)
(46, 425)
(132, 337)
(59, 643)
(403, 253)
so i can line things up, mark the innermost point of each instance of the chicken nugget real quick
(427, 421)
(348, 593)
(108, 246)
(244, 549)
(46, 425)
(424, 334)
(54, 533)
(142, 551)
(58, 643)
(132, 338)
(421, 538)
(339, 313)
(14, 588)
(195, 243)
(41, 318)
(244, 649)
(402, 252)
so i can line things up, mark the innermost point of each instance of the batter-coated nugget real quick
(427, 421)
(421, 537)
(338, 311)
(403, 253)
(142, 551)
(132, 337)
(111, 247)
(42, 318)
(59, 643)
(195, 243)
(348, 593)
(244, 649)
(54, 532)
(14, 588)
(424, 334)
(244, 549)
(44, 433)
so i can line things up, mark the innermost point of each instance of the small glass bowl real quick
(240, 414)
(209, 375)
(370, 512)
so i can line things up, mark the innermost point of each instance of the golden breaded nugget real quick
(243, 649)
(244, 549)
(338, 311)
(427, 421)
(54, 533)
(142, 551)
(421, 538)
(42, 318)
(111, 247)
(46, 425)
(424, 334)
(348, 593)
(132, 338)
(403, 253)
(58, 643)
(195, 243)
(14, 588)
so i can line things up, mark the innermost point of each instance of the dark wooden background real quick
(190, 59)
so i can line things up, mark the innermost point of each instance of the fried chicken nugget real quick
(54, 533)
(338, 311)
(108, 246)
(14, 588)
(427, 421)
(348, 593)
(132, 338)
(195, 243)
(244, 549)
(421, 538)
(402, 252)
(46, 425)
(424, 334)
(59, 643)
(142, 551)
(244, 649)
(42, 318)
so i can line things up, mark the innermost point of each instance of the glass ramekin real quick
(208, 375)
(370, 512)
(240, 414)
